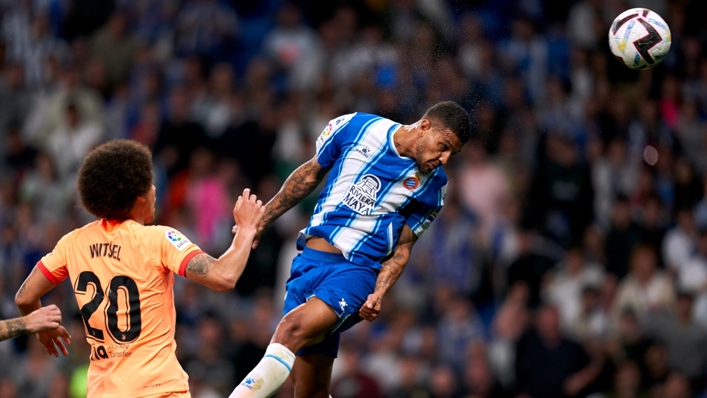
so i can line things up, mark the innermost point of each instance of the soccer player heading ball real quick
(122, 273)
(385, 187)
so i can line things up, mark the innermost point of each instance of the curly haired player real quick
(122, 273)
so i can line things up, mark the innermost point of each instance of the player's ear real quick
(425, 126)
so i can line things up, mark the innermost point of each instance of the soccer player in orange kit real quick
(122, 273)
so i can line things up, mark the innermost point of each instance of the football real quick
(639, 38)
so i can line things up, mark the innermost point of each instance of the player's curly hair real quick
(112, 176)
(453, 117)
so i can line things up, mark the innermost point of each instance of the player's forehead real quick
(448, 137)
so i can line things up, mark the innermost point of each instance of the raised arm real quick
(222, 274)
(298, 186)
(391, 269)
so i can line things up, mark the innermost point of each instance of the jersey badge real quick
(411, 183)
(176, 239)
(327, 130)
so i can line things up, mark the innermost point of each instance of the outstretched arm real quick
(222, 274)
(45, 318)
(298, 186)
(391, 269)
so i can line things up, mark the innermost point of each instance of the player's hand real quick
(248, 211)
(372, 307)
(55, 340)
(256, 240)
(45, 318)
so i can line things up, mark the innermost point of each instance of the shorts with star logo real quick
(343, 285)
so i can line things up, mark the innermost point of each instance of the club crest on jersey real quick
(176, 239)
(361, 196)
(411, 183)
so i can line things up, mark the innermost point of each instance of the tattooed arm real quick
(298, 186)
(45, 318)
(12, 328)
(391, 269)
(222, 274)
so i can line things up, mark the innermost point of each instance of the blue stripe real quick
(388, 165)
(368, 166)
(360, 137)
(422, 190)
(333, 132)
(381, 198)
(391, 169)
(289, 368)
(336, 171)
(425, 192)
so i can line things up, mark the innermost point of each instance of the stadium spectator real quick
(69, 143)
(646, 289)
(115, 47)
(682, 336)
(679, 242)
(566, 369)
(564, 289)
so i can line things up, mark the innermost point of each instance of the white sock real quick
(269, 375)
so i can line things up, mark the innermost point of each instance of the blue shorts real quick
(344, 286)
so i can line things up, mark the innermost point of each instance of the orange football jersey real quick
(123, 277)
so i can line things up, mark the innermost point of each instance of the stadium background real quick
(570, 258)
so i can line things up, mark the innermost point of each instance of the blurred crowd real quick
(570, 259)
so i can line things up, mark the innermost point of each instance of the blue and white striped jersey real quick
(371, 191)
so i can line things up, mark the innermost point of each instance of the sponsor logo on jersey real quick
(178, 240)
(361, 196)
(363, 150)
(411, 183)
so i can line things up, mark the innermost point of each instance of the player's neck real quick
(137, 215)
(404, 140)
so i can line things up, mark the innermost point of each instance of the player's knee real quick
(290, 333)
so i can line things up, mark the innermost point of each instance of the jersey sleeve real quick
(54, 264)
(331, 141)
(175, 249)
(426, 212)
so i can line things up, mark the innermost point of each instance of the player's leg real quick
(305, 324)
(332, 290)
(311, 375)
